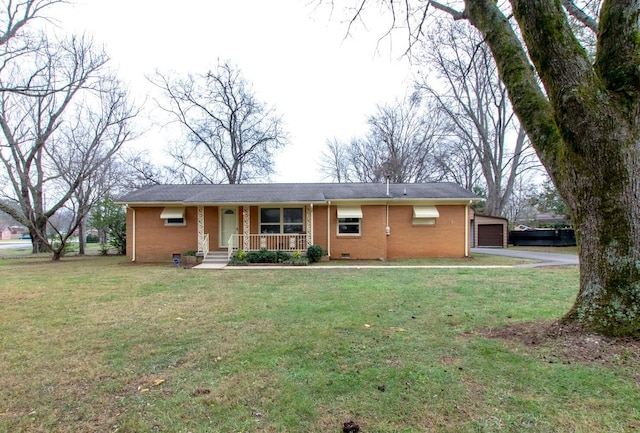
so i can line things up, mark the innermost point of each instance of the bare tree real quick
(18, 42)
(135, 170)
(581, 114)
(17, 14)
(84, 154)
(400, 146)
(334, 161)
(228, 129)
(476, 103)
(55, 141)
(458, 162)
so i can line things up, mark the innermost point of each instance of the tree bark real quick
(604, 199)
(81, 239)
(585, 127)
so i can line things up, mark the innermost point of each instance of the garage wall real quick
(490, 232)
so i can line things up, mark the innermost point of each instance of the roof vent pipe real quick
(388, 185)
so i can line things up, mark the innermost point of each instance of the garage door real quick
(490, 235)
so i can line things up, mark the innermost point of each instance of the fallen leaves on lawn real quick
(156, 382)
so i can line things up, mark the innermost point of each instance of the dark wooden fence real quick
(543, 237)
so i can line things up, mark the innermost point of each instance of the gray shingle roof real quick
(293, 192)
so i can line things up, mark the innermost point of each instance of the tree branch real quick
(580, 15)
(456, 15)
(618, 53)
(528, 99)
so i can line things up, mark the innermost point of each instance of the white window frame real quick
(349, 213)
(281, 222)
(173, 216)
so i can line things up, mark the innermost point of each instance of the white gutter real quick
(466, 230)
(387, 229)
(329, 228)
(133, 230)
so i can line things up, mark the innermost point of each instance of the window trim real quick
(181, 222)
(281, 223)
(173, 213)
(351, 224)
(349, 212)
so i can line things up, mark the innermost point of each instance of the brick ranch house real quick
(349, 220)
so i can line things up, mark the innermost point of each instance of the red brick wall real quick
(211, 226)
(156, 242)
(370, 244)
(319, 226)
(444, 239)
(254, 219)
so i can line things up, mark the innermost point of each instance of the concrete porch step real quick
(214, 260)
(216, 257)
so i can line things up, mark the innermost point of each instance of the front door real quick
(228, 226)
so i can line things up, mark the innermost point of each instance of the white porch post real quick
(246, 227)
(309, 228)
(201, 229)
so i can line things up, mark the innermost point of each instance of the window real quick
(281, 220)
(349, 226)
(349, 219)
(425, 215)
(173, 216)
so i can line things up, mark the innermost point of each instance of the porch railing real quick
(271, 242)
(203, 245)
(232, 246)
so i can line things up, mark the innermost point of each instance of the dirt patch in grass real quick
(568, 343)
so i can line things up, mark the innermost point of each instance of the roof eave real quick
(407, 200)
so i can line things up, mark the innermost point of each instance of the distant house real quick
(349, 220)
(11, 232)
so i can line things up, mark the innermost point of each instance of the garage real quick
(489, 231)
(490, 235)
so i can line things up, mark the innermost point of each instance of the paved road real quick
(541, 258)
(15, 245)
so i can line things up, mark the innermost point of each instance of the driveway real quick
(541, 258)
(15, 244)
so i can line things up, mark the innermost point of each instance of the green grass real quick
(396, 350)
(558, 250)
(475, 260)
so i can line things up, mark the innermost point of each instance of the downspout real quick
(387, 232)
(133, 233)
(466, 230)
(387, 228)
(329, 228)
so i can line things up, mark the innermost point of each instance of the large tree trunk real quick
(38, 237)
(81, 239)
(604, 199)
(585, 128)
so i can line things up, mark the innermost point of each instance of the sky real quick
(297, 56)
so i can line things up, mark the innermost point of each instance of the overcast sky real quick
(323, 84)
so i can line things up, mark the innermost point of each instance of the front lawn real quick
(95, 344)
